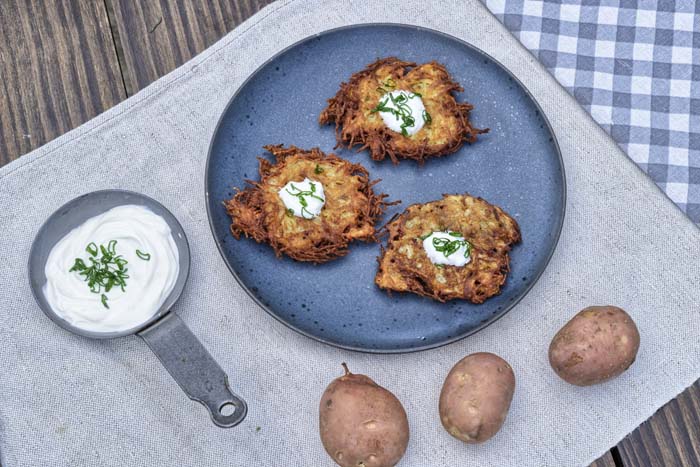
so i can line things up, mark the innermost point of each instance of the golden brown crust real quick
(356, 125)
(351, 208)
(405, 267)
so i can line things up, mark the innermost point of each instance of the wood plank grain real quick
(671, 437)
(159, 35)
(58, 69)
(605, 461)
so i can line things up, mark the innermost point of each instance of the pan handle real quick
(194, 369)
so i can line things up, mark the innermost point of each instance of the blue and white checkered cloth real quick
(635, 66)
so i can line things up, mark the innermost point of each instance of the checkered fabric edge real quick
(635, 67)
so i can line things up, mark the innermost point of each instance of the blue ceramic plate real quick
(516, 166)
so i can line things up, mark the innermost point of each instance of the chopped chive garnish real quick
(92, 249)
(301, 195)
(401, 110)
(468, 252)
(386, 86)
(143, 256)
(78, 266)
(448, 247)
(104, 272)
(318, 169)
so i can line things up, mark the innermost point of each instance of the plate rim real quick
(452, 340)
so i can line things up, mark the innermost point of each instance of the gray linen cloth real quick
(71, 401)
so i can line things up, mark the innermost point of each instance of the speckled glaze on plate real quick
(516, 166)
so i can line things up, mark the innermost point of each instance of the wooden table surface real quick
(63, 62)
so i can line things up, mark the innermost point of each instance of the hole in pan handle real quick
(194, 369)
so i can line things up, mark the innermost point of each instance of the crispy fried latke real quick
(356, 125)
(404, 265)
(350, 212)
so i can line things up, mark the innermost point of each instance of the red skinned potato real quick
(476, 396)
(596, 345)
(361, 423)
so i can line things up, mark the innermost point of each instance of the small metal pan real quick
(185, 358)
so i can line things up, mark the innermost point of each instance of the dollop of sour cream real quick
(403, 112)
(303, 199)
(149, 281)
(447, 248)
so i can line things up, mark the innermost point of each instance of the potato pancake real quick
(359, 120)
(349, 213)
(405, 266)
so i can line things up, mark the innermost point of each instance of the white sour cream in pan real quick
(149, 282)
(447, 248)
(407, 111)
(303, 199)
